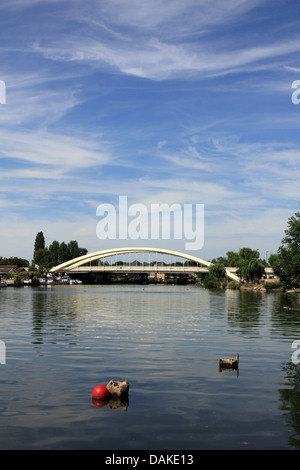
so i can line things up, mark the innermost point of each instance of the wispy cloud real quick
(159, 40)
(58, 151)
(158, 60)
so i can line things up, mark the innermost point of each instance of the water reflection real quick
(244, 311)
(53, 316)
(285, 316)
(168, 341)
(114, 403)
(234, 370)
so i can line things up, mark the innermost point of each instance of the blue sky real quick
(162, 101)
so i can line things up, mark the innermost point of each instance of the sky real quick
(159, 101)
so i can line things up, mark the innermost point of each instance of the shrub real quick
(273, 285)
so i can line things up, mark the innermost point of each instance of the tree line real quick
(285, 263)
(46, 257)
(249, 267)
(14, 261)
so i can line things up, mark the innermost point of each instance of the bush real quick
(211, 283)
(234, 286)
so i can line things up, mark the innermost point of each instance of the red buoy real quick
(100, 392)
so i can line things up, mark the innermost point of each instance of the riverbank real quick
(274, 286)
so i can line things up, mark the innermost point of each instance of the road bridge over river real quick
(137, 260)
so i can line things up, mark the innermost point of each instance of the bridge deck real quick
(142, 269)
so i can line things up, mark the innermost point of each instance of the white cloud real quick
(155, 59)
(157, 39)
(173, 19)
(18, 234)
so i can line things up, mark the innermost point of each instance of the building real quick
(10, 269)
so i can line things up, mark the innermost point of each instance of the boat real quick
(3, 284)
(65, 280)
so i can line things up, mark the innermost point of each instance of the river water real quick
(166, 340)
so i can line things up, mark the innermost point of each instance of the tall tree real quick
(57, 253)
(54, 250)
(232, 259)
(43, 259)
(74, 249)
(64, 253)
(39, 243)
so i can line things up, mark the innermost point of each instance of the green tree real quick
(57, 253)
(39, 244)
(274, 262)
(43, 259)
(221, 259)
(54, 250)
(249, 264)
(74, 250)
(250, 267)
(217, 271)
(64, 253)
(256, 269)
(13, 260)
(232, 259)
(216, 274)
(288, 261)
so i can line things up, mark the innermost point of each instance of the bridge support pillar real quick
(104, 278)
(143, 278)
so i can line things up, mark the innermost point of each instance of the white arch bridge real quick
(101, 262)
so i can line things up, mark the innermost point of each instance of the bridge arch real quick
(90, 257)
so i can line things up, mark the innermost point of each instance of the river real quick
(62, 341)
